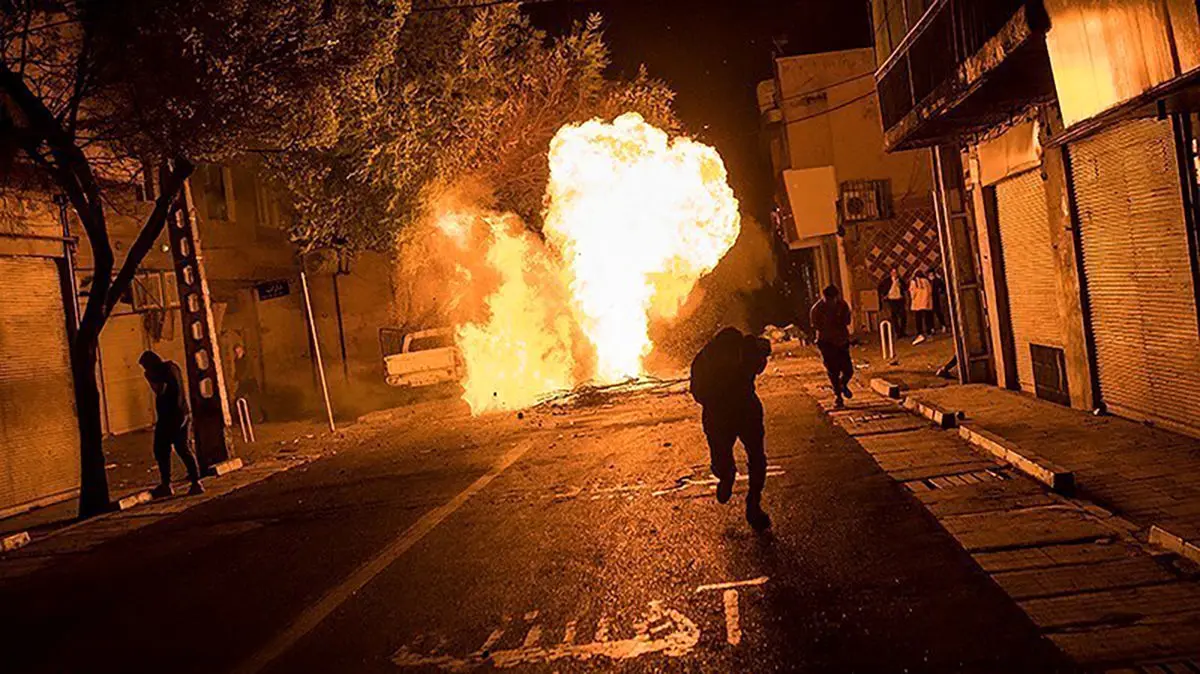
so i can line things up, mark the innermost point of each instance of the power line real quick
(827, 87)
(826, 111)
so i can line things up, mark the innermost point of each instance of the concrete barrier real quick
(1043, 470)
(15, 541)
(885, 388)
(943, 418)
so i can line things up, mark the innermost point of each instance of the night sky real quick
(713, 53)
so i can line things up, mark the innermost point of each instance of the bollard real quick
(244, 420)
(887, 341)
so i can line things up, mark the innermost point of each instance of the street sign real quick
(272, 289)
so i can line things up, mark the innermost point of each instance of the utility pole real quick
(206, 382)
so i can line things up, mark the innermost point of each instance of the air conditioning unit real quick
(865, 200)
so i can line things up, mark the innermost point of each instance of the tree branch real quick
(164, 206)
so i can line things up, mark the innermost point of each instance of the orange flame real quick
(633, 221)
(638, 219)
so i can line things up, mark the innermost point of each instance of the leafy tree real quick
(95, 90)
(471, 95)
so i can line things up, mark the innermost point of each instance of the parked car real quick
(422, 358)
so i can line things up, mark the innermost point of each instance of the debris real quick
(109, 466)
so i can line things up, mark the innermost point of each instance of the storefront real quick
(1130, 187)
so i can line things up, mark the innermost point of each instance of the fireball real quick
(633, 220)
(638, 218)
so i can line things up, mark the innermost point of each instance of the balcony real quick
(961, 67)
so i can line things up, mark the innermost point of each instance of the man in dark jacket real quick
(722, 382)
(831, 321)
(171, 427)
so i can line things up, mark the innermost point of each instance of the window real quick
(216, 200)
(864, 200)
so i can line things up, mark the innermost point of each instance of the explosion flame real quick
(633, 220)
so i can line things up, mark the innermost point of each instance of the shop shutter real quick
(128, 400)
(39, 441)
(1138, 272)
(1029, 269)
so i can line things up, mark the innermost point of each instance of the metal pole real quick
(312, 327)
(337, 307)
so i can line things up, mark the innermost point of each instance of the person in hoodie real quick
(722, 381)
(830, 319)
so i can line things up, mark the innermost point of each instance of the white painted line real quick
(733, 628)
(534, 636)
(492, 640)
(737, 583)
(336, 596)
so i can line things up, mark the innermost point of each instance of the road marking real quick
(660, 630)
(733, 630)
(534, 636)
(761, 580)
(491, 641)
(335, 597)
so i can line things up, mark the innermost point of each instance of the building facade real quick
(848, 211)
(253, 279)
(1063, 134)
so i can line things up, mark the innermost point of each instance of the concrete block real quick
(1172, 543)
(134, 500)
(942, 418)
(885, 388)
(1047, 472)
(226, 467)
(14, 541)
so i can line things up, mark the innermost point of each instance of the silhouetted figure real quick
(939, 298)
(830, 318)
(891, 292)
(173, 418)
(722, 382)
(245, 382)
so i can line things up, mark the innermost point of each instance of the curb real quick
(945, 419)
(225, 467)
(134, 500)
(1176, 544)
(14, 541)
(1047, 472)
(885, 388)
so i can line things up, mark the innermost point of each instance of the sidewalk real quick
(131, 469)
(1148, 475)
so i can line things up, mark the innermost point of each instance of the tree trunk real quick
(93, 489)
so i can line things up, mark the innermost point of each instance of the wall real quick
(1103, 52)
(831, 118)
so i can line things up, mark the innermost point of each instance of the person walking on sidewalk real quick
(722, 381)
(939, 298)
(891, 290)
(830, 318)
(172, 422)
(920, 290)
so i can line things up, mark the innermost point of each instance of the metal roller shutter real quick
(39, 441)
(1138, 272)
(1029, 269)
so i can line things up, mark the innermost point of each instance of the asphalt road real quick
(573, 539)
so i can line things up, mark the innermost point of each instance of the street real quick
(574, 537)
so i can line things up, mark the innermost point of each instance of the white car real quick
(424, 358)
